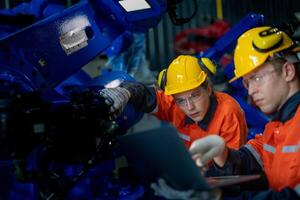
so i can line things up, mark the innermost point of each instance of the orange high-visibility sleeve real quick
(228, 120)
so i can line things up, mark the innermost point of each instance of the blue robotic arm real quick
(41, 56)
(36, 59)
(227, 42)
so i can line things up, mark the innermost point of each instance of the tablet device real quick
(160, 153)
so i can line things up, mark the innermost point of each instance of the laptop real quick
(160, 153)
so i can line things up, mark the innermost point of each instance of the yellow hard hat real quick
(183, 74)
(210, 65)
(161, 81)
(255, 46)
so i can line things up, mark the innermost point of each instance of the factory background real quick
(160, 49)
(160, 40)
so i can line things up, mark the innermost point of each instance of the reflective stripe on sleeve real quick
(297, 189)
(154, 110)
(269, 148)
(290, 148)
(184, 137)
(255, 154)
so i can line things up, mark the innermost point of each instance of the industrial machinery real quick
(53, 129)
(51, 114)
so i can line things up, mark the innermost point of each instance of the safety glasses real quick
(257, 79)
(192, 98)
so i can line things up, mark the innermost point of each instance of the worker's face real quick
(194, 103)
(268, 88)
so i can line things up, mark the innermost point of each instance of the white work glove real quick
(162, 189)
(205, 149)
(117, 99)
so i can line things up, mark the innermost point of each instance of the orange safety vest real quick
(228, 121)
(278, 151)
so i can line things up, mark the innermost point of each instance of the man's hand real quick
(208, 148)
(162, 189)
(117, 99)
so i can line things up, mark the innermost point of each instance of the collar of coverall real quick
(209, 114)
(289, 108)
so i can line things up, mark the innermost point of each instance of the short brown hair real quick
(278, 62)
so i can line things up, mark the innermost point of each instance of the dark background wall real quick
(275, 11)
(160, 49)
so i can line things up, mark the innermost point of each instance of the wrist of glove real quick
(206, 149)
(161, 188)
(117, 99)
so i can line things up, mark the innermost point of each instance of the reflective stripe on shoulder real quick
(254, 153)
(297, 189)
(154, 110)
(290, 148)
(184, 137)
(269, 148)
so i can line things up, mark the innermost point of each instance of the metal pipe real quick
(219, 8)
(69, 3)
(7, 4)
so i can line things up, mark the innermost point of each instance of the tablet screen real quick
(160, 153)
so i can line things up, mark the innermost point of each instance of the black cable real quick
(173, 15)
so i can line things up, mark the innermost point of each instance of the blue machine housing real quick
(43, 55)
(46, 56)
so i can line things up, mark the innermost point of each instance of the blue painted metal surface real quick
(135, 21)
(227, 42)
(38, 8)
(36, 52)
(47, 55)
